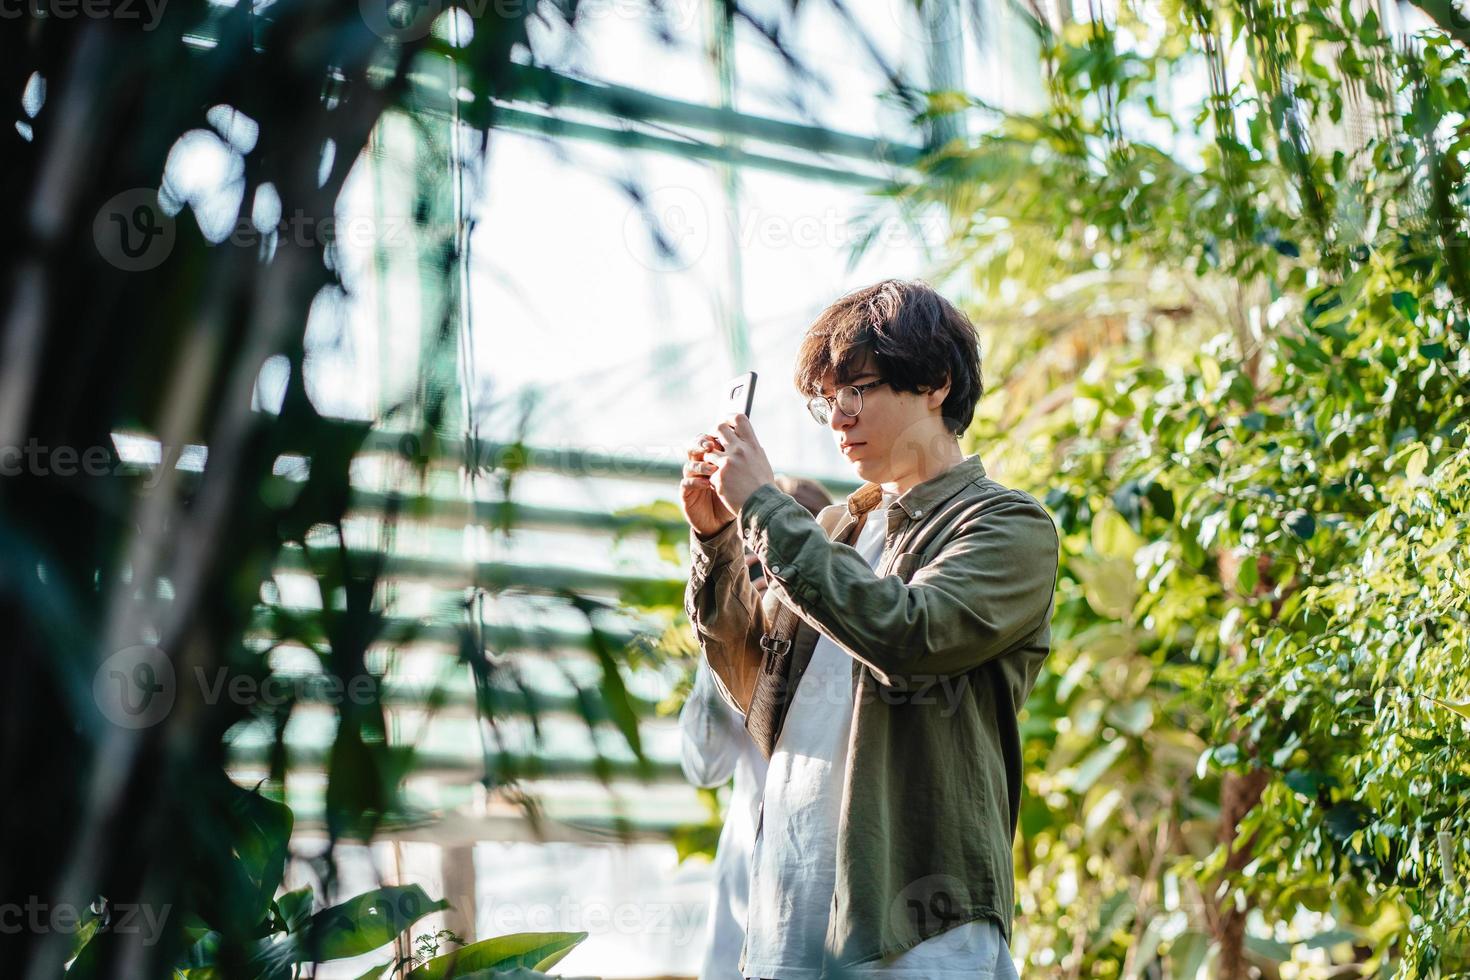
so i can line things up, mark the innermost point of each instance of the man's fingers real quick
(703, 445)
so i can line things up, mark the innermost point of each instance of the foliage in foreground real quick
(288, 934)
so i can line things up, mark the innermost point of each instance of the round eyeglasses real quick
(849, 401)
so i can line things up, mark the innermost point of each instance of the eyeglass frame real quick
(831, 402)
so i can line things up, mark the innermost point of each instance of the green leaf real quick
(1461, 708)
(1309, 781)
(362, 924)
(1417, 463)
(1112, 537)
(533, 950)
(1249, 576)
(1096, 765)
(1187, 954)
(1268, 948)
(1110, 585)
(357, 926)
(260, 836)
(1134, 717)
(294, 908)
(1406, 304)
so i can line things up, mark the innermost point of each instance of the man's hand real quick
(701, 505)
(741, 463)
(722, 471)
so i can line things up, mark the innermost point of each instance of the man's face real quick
(893, 431)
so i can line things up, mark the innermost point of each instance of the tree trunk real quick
(1238, 794)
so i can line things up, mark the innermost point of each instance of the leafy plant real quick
(1231, 335)
(286, 933)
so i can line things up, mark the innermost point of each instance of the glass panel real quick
(848, 90)
(616, 42)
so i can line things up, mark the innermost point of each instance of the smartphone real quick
(740, 394)
(740, 397)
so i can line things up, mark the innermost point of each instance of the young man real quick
(882, 671)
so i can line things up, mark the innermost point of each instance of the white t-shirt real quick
(714, 746)
(794, 866)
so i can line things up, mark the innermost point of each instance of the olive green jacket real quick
(947, 636)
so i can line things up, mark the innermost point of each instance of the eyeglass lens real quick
(849, 402)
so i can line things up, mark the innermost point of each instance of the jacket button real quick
(918, 513)
(775, 569)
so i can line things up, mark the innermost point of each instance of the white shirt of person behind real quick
(715, 746)
(794, 866)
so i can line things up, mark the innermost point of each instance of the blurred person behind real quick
(714, 747)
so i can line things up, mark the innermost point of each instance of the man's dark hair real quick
(918, 340)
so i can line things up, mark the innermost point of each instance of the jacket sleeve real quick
(724, 608)
(710, 733)
(990, 586)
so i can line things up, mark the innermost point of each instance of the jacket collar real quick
(923, 498)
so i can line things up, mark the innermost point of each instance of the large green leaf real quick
(1112, 537)
(357, 926)
(1109, 585)
(532, 950)
(293, 909)
(370, 920)
(253, 836)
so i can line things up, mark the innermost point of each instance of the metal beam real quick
(547, 87)
(498, 576)
(507, 117)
